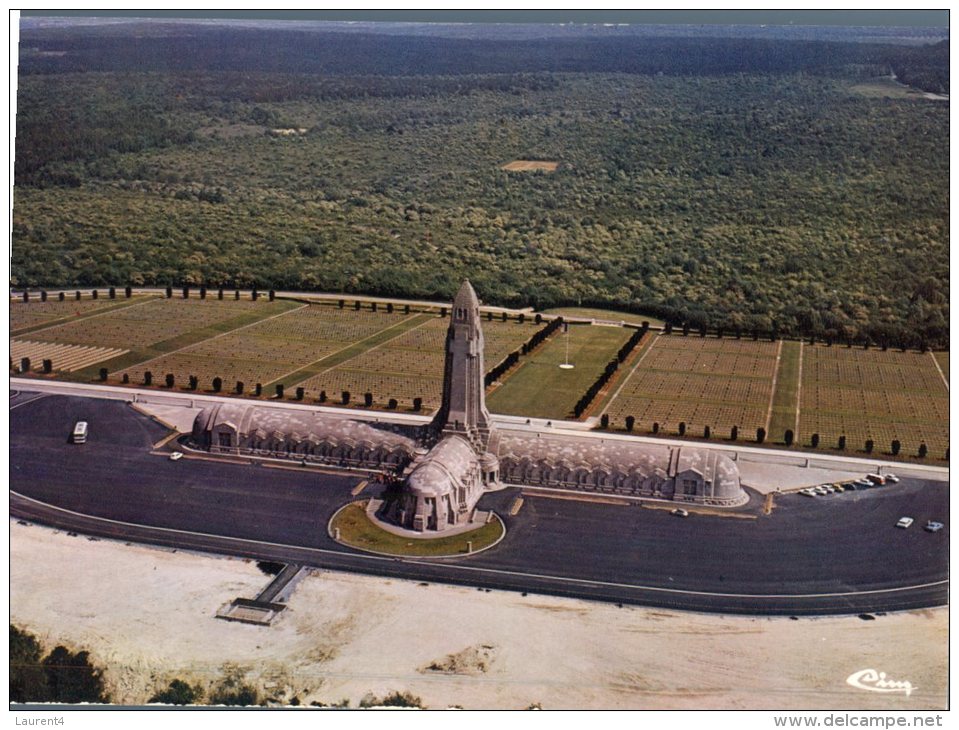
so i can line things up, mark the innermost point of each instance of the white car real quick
(680, 512)
(933, 526)
(904, 522)
(176, 456)
(892, 478)
(807, 492)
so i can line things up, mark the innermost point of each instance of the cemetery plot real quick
(383, 386)
(265, 351)
(502, 338)
(701, 382)
(411, 365)
(142, 325)
(63, 358)
(873, 395)
(34, 313)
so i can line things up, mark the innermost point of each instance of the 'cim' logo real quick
(875, 681)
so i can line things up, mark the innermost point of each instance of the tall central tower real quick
(463, 410)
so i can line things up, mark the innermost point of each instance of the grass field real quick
(870, 394)
(786, 396)
(701, 382)
(539, 387)
(357, 530)
(611, 315)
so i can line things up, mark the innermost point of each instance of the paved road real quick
(835, 554)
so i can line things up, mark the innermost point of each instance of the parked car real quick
(176, 456)
(863, 484)
(905, 522)
(680, 512)
(807, 492)
(933, 526)
(892, 478)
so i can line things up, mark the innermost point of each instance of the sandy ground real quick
(147, 616)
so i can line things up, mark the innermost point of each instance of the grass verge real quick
(612, 315)
(786, 397)
(357, 530)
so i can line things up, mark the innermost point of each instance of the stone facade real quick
(619, 466)
(442, 486)
(251, 430)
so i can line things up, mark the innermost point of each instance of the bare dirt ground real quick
(147, 616)
(527, 165)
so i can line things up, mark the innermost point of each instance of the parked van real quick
(876, 479)
(80, 432)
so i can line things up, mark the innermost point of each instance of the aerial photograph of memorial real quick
(481, 360)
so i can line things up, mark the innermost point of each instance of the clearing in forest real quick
(531, 165)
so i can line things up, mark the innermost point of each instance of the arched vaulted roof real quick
(248, 419)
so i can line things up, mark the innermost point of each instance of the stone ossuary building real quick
(446, 466)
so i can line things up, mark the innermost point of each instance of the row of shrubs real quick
(531, 344)
(95, 294)
(895, 447)
(611, 367)
(240, 388)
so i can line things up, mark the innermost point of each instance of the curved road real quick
(836, 554)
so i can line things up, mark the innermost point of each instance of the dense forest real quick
(732, 182)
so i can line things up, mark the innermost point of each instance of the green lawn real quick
(786, 397)
(540, 388)
(357, 530)
(611, 315)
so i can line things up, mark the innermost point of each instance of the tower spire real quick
(463, 410)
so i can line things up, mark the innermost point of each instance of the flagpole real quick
(566, 365)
